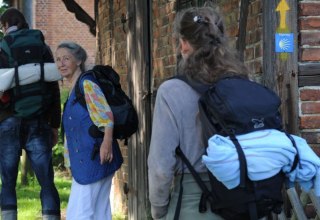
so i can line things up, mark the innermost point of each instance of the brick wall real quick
(163, 49)
(58, 24)
(253, 51)
(163, 45)
(112, 50)
(309, 52)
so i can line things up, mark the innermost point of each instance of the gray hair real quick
(77, 51)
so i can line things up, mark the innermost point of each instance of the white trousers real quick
(90, 202)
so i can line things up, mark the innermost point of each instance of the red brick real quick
(310, 108)
(58, 24)
(309, 23)
(310, 94)
(311, 137)
(310, 54)
(255, 8)
(316, 149)
(249, 53)
(309, 122)
(310, 38)
(309, 8)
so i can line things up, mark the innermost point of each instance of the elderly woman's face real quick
(66, 63)
(186, 48)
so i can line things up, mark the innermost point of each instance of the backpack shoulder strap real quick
(78, 91)
(6, 41)
(185, 160)
(206, 195)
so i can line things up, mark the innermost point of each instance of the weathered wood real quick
(269, 56)
(138, 53)
(296, 204)
(81, 15)
(280, 71)
(309, 69)
(309, 74)
(304, 198)
(315, 201)
(241, 41)
(309, 80)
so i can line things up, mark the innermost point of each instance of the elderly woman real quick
(92, 174)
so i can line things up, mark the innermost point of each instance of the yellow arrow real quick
(282, 7)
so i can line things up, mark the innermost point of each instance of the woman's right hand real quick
(106, 154)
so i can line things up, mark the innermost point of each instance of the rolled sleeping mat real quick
(28, 73)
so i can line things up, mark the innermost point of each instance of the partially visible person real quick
(92, 174)
(38, 132)
(204, 57)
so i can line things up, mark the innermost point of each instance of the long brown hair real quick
(212, 58)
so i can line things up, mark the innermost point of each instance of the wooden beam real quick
(139, 79)
(241, 41)
(309, 74)
(309, 80)
(81, 15)
(296, 204)
(280, 70)
(309, 69)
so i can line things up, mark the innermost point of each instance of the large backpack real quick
(22, 47)
(124, 113)
(230, 107)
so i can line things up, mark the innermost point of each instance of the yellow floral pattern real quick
(98, 107)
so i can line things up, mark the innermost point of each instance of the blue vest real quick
(76, 122)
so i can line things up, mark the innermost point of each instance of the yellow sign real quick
(282, 8)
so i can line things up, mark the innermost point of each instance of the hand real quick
(55, 136)
(106, 151)
(106, 146)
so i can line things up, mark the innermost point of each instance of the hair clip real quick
(199, 19)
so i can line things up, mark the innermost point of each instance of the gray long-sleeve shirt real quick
(175, 122)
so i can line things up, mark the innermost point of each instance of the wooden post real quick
(296, 204)
(139, 62)
(281, 74)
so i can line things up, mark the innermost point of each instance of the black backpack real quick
(18, 48)
(124, 113)
(229, 107)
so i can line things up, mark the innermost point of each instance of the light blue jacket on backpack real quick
(76, 122)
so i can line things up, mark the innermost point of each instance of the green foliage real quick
(29, 201)
(29, 205)
(118, 216)
(64, 93)
(58, 157)
(58, 150)
(3, 7)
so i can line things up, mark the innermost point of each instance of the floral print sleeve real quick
(99, 110)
